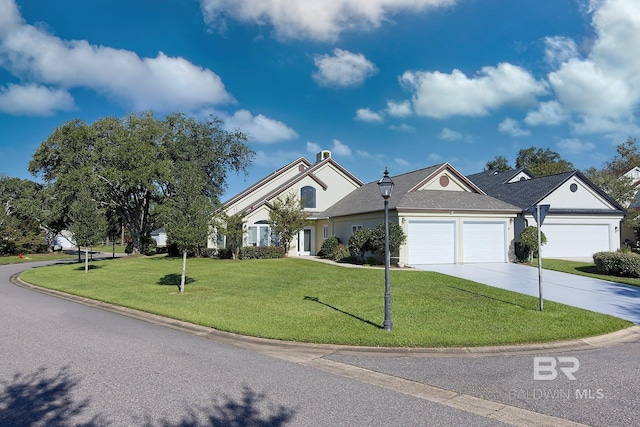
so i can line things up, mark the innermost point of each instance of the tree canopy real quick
(540, 162)
(131, 163)
(287, 218)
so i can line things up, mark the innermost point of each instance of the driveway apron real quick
(596, 295)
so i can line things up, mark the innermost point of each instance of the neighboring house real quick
(319, 185)
(446, 217)
(160, 236)
(64, 241)
(582, 219)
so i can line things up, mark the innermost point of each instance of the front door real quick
(305, 240)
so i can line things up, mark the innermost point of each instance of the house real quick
(319, 185)
(582, 219)
(159, 235)
(445, 216)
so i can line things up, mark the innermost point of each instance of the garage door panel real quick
(484, 241)
(432, 242)
(574, 240)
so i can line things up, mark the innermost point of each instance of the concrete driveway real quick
(592, 294)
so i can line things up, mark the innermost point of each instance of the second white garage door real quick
(484, 241)
(431, 242)
(574, 240)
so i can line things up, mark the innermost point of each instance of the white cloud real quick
(313, 148)
(574, 146)
(402, 162)
(340, 149)
(399, 109)
(450, 135)
(548, 113)
(365, 154)
(161, 83)
(441, 95)
(343, 69)
(274, 160)
(316, 20)
(604, 87)
(403, 128)
(34, 100)
(559, 49)
(366, 115)
(512, 127)
(260, 128)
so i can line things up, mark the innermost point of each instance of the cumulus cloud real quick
(548, 113)
(450, 135)
(34, 100)
(315, 20)
(512, 127)
(440, 95)
(603, 88)
(260, 128)
(340, 148)
(161, 83)
(367, 115)
(574, 146)
(399, 109)
(342, 69)
(402, 162)
(559, 49)
(313, 148)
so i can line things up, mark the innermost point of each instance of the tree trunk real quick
(184, 270)
(86, 259)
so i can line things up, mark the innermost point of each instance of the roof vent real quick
(323, 155)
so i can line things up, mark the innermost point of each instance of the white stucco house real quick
(447, 217)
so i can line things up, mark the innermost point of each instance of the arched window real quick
(308, 197)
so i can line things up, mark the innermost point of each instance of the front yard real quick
(304, 300)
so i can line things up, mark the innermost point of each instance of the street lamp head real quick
(385, 185)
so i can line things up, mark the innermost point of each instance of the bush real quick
(371, 260)
(329, 247)
(208, 253)
(342, 253)
(261, 252)
(617, 263)
(225, 253)
(361, 242)
(528, 245)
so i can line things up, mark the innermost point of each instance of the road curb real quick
(297, 350)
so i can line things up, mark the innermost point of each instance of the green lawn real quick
(14, 259)
(303, 300)
(583, 269)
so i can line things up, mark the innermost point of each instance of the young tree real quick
(396, 237)
(542, 162)
(189, 212)
(528, 247)
(232, 227)
(287, 218)
(88, 223)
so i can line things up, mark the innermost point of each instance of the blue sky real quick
(403, 84)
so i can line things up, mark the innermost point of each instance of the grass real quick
(14, 259)
(587, 269)
(303, 300)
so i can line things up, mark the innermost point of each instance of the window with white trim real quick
(325, 231)
(355, 228)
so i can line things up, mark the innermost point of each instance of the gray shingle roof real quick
(367, 198)
(531, 191)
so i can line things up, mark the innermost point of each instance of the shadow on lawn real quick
(489, 297)
(174, 280)
(91, 267)
(368, 322)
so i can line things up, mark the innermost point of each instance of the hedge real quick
(618, 263)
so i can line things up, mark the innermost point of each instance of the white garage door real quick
(431, 242)
(574, 240)
(484, 241)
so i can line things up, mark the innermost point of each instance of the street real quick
(69, 363)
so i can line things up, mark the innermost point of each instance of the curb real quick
(297, 350)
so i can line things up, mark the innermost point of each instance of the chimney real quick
(323, 155)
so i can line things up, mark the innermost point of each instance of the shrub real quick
(208, 252)
(342, 253)
(371, 260)
(329, 247)
(617, 263)
(261, 252)
(396, 238)
(225, 253)
(528, 247)
(361, 242)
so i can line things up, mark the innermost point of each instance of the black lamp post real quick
(386, 186)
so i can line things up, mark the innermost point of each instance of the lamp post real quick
(386, 186)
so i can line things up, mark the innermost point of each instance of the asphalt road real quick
(66, 363)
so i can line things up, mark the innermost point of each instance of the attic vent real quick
(323, 155)
(495, 172)
(301, 168)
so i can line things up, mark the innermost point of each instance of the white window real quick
(325, 231)
(355, 228)
(259, 234)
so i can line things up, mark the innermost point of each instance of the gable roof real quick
(406, 195)
(308, 171)
(529, 192)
